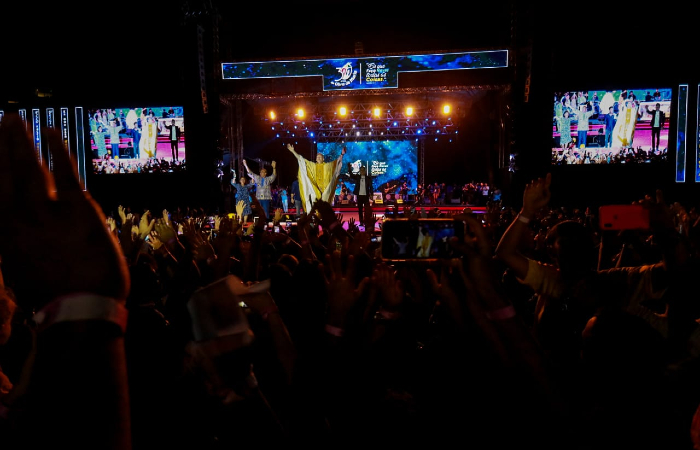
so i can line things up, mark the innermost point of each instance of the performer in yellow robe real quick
(317, 179)
(623, 133)
(149, 138)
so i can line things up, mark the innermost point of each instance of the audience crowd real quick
(153, 329)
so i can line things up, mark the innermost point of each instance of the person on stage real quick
(174, 133)
(242, 195)
(317, 179)
(363, 190)
(263, 185)
(623, 135)
(149, 137)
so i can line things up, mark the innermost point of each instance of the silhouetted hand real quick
(53, 238)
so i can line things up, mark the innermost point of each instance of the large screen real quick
(613, 126)
(390, 162)
(137, 139)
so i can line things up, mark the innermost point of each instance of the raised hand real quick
(370, 219)
(154, 240)
(386, 291)
(537, 195)
(146, 224)
(278, 216)
(165, 232)
(56, 249)
(122, 213)
(352, 226)
(343, 293)
(112, 226)
(325, 212)
(55, 241)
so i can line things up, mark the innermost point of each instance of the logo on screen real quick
(347, 75)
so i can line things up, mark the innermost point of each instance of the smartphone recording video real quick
(623, 217)
(423, 239)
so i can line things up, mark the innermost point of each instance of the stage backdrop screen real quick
(137, 139)
(393, 162)
(613, 126)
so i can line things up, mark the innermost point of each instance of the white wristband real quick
(523, 219)
(81, 306)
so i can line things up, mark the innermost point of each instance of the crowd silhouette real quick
(141, 330)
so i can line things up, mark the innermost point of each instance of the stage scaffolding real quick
(322, 122)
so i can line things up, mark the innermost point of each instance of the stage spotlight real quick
(300, 113)
(343, 111)
(272, 115)
(377, 112)
(446, 109)
(409, 111)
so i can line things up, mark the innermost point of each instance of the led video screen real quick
(612, 126)
(137, 139)
(391, 163)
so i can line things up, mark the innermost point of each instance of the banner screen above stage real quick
(364, 73)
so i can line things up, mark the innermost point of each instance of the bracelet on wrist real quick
(81, 306)
(383, 314)
(523, 219)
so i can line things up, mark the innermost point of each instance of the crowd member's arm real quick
(484, 302)
(252, 255)
(329, 221)
(535, 197)
(303, 224)
(223, 243)
(343, 294)
(263, 305)
(60, 260)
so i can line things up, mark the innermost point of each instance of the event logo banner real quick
(365, 73)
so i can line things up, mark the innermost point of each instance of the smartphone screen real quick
(419, 239)
(623, 217)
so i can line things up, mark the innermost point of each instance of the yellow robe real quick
(149, 139)
(317, 180)
(623, 133)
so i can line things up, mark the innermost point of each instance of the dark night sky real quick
(61, 49)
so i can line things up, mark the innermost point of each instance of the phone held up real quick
(623, 217)
(422, 239)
